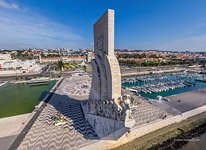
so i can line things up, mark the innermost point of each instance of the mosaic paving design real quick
(78, 88)
(75, 133)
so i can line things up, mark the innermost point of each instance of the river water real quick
(16, 99)
(198, 144)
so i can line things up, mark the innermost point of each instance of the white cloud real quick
(25, 29)
(8, 5)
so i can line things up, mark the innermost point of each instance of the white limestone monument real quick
(105, 110)
(106, 78)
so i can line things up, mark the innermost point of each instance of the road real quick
(45, 72)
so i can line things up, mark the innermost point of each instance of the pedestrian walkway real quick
(75, 133)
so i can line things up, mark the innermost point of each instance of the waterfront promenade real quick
(187, 101)
(10, 128)
(77, 133)
(11, 125)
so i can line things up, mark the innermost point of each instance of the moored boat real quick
(39, 81)
(3, 83)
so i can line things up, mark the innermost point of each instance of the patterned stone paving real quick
(79, 85)
(143, 112)
(75, 133)
(78, 88)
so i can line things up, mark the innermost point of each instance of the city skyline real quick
(169, 25)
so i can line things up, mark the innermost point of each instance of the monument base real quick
(105, 126)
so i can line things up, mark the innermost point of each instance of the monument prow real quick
(109, 84)
(105, 110)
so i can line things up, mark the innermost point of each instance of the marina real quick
(152, 86)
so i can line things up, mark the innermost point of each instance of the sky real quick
(175, 25)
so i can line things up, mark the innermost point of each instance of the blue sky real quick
(139, 24)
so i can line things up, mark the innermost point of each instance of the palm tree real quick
(61, 65)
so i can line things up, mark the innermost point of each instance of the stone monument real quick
(105, 110)
(106, 78)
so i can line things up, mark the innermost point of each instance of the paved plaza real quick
(188, 101)
(144, 112)
(77, 87)
(6, 142)
(76, 132)
(10, 128)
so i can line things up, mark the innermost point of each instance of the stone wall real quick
(104, 126)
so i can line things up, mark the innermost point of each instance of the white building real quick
(14, 64)
(64, 59)
(5, 57)
(9, 66)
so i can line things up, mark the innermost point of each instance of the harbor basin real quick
(16, 99)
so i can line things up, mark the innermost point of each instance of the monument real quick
(105, 110)
(106, 78)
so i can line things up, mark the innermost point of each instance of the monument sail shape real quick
(105, 110)
(106, 79)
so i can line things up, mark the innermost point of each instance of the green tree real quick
(61, 65)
